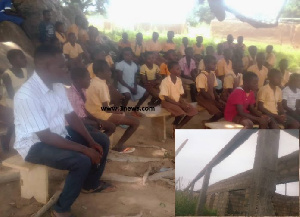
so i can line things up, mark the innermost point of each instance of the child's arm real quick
(254, 111)
(135, 85)
(259, 117)
(194, 74)
(8, 85)
(280, 108)
(280, 118)
(121, 81)
(240, 111)
(144, 79)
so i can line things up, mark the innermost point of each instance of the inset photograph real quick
(237, 173)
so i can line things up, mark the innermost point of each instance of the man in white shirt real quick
(41, 110)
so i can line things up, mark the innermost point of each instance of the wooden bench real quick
(158, 120)
(33, 178)
(222, 124)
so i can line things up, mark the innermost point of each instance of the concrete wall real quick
(286, 205)
(231, 196)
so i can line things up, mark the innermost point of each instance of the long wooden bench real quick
(33, 178)
(222, 124)
(158, 120)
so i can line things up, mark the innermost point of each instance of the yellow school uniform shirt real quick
(285, 78)
(271, 59)
(61, 37)
(138, 49)
(201, 66)
(150, 73)
(91, 71)
(171, 90)
(123, 44)
(96, 95)
(182, 50)
(169, 46)
(262, 74)
(153, 46)
(224, 68)
(230, 79)
(164, 69)
(74, 28)
(16, 83)
(201, 81)
(247, 60)
(270, 98)
(72, 51)
(198, 50)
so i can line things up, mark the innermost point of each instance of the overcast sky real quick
(203, 145)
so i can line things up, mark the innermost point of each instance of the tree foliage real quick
(291, 9)
(87, 5)
(201, 14)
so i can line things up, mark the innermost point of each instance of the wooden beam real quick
(181, 147)
(232, 145)
(202, 197)
(264, 174)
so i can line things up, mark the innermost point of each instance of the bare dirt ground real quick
(156, 198)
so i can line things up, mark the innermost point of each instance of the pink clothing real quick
(77, 101)
(219, 57)
(187, 69)
(238, 97)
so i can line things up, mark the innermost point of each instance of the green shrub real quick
(185, 205)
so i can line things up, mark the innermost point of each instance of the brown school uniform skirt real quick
(209, 105)
(153, 90)
(178, 111)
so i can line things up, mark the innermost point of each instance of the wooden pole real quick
(202, 197)
(264, 174)
(181, 147)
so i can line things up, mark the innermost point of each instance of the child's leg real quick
(184, 121)
(143, 99)
(154, 92)
(178, 120)
(193, 92)
(190, 113)
(108, 127)
(127, 97)
(273, 124)
(116, 96)
(247, 123)
(7, 120)
(5, 140)
(291, 123)
(210, 107)
(133, 124)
